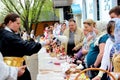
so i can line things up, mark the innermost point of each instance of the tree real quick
(29, 10)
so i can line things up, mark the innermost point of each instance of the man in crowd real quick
(115, 12)
(75, 38)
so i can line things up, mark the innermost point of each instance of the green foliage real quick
(48, 12)
(29, 10)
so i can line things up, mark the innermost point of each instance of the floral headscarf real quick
(117, 35)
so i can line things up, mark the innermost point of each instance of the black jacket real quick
(13, 45)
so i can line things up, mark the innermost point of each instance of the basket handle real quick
(88, 69)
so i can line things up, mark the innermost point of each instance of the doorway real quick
(118, 2)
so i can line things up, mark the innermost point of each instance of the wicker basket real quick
(116, 62)
(88, 69)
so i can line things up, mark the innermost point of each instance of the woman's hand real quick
(74, 49)
(21, 70)
(84, 51)
(116, 75)
(75, 55)
(97, 78)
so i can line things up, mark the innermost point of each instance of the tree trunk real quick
(26, 26)
(36, 25)
(31, 24)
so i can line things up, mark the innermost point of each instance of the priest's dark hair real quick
(2, 25)
(10, 17)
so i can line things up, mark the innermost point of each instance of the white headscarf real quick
(101, 26)
(117, 30)
(117, 35)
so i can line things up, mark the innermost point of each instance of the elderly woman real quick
(95, 53)
(116, 56)
(108, 52)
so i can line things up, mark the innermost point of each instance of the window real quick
(98, 10)
(67, 12)
(118, 2)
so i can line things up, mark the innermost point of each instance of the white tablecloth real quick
(47, 69)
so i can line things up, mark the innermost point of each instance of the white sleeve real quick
(13, 73)
(106, 56)
(7, 72)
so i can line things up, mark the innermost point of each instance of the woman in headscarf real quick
(96, 50)
(108, 51)
(116, 56)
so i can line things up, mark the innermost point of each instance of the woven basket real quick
(88, 69)
(116, 62)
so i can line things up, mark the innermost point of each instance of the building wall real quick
(105, 6)
(91, 10)
(103, 10)
(95, 9)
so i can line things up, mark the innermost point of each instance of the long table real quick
(47, 69)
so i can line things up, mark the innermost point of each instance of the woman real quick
(108, 53)
(63, 27)
(116, 55)
(89, 34)
(13, 47)
(96, 50)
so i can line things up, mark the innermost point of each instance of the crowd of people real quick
(96, 45)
